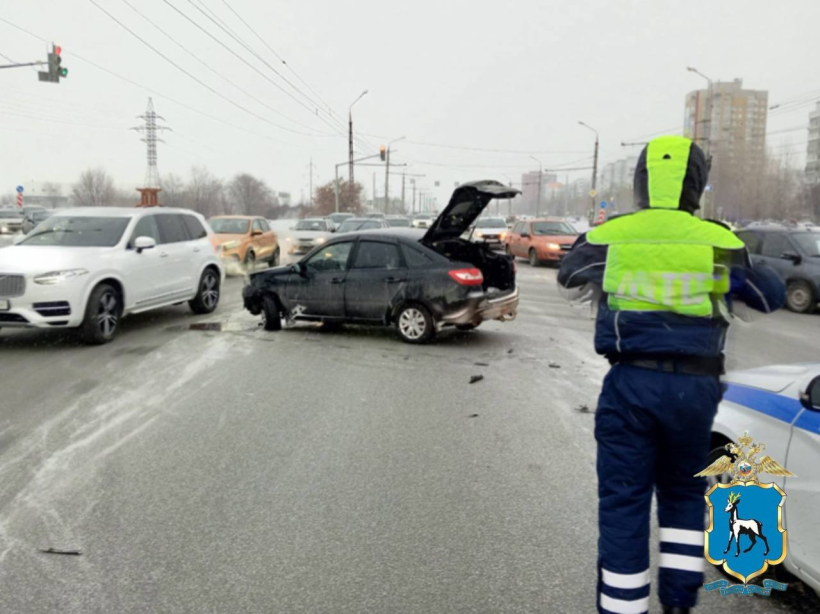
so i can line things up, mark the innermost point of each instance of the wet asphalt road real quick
(316, 471)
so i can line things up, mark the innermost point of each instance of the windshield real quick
(78, 231)
(338, 218)
(315, 225)
(422, 216)
(229, 225)
(491, 223)
(399, 222)
(809, 242)
(546, 229)
(11, 213)
(359, 224)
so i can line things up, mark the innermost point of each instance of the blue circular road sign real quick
(20, 189)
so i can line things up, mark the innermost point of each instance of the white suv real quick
(89, 267)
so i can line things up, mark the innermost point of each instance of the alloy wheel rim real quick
(107, 314)
(210, 290)
(412, 323)
(532, 258)
(799, 297)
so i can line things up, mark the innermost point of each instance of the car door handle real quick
(163, 255)
(196, 249)
(337, 280)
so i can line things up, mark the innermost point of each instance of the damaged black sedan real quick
(418, 282)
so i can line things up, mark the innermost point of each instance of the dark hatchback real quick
(418, 282)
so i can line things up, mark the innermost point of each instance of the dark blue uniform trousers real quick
(653, 430)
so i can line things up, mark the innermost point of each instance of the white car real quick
(87, 268)
(423, 220)
(780, 407)
(308, 233)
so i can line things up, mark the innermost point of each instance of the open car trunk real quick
(466, 204)
(497, 269)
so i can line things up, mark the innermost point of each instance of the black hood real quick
(466, 204)
(694, 181)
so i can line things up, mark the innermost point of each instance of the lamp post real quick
(540, 175)
(707, 131)
(594, 168)
(387, 174)
(350, 136)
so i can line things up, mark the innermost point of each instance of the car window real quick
(491, 222)
(377, 255)
(257, 226)
(171, 228)
(519, 228)
(525, 228)
(264, 225)
(416, 259)
(331, 258)
(311, 225)
(146, 227)
(195, 228)
(229, 225)
(751, 240)
(545, 229)
(774, 245)
(78, 231)
(809, 242)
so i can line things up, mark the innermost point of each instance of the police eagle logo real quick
(748, 511)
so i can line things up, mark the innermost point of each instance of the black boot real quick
(668, 609)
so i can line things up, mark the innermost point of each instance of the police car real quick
(780, 407)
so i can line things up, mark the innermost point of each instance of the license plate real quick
(4, 305)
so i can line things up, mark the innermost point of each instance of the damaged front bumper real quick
(482, 308)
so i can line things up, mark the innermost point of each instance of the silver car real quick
(11, 220)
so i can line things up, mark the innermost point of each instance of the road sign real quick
(593, 193)
(19, 199)
(603, 204)
(20, 189)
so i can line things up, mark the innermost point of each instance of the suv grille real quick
(12, 285)
(51, 309)
(12, 317)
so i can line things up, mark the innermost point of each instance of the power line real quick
(202, 83)
(484, 149)
(206, 65)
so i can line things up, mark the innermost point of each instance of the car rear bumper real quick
(480, 308)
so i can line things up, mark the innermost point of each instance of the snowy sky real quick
(514, 77)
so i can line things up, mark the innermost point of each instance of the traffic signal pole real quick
(21, 65)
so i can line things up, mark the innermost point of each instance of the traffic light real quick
(55, 68)
(382, 152)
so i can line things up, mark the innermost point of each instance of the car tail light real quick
(467, 277)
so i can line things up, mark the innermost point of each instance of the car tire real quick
(533, 258)
(207, 294)
(415, 324)
(102, 315)
(274, 261)
(271, 314)
(800, 297)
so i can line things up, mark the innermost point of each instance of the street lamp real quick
(708, 120)
(540, 175)
(387, 173)
(350, 136)
(592, 193)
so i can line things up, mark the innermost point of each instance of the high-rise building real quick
(529, 189)
(813, 151)
(737, 126)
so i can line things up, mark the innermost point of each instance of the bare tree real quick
(94, 189)
(251, 196)
(205, 193)
(173, 191)
(325, 198)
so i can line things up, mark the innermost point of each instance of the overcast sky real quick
(516, 75)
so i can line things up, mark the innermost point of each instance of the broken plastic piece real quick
(476, 378)
(57, 551)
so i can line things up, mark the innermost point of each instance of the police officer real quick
(668, 279)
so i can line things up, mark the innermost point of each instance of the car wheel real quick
(799, 297)
(415, 324)
(533, 258)
(207, 296)
(250, 259)
(102, 315)
(271, 314)
(274, 261)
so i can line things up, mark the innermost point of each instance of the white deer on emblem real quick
(738, 527)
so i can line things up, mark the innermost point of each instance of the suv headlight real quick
(58, 277)
(320, 240)
(230, 245)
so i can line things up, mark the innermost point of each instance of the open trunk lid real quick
(466, 204)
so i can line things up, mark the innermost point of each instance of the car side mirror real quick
(333, 229)
(301, 269)
(795, 258)
(142, 243)
(810, 398)
(256, 233)
(525, 235)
